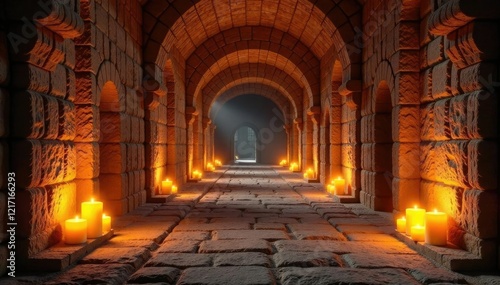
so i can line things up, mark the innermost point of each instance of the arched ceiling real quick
(252, 88)
(266, 62)
(255, 70)
(215, 36)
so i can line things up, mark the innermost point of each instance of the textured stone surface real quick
(134, 256)
(95, 273)
(180, 260)
(242, 259)
(269, 235)
(154, 275)
(306, 259)
(323, 276)
(251, 275)
(245, 245)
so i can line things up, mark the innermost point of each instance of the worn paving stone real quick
(242, 259)
(269, 226)
(94, 274)
(166, 275)
(277, 220)
(180, 260)
(362, 229)
(381, 260)
(201, 235)
(342, 247)
(134, 256)
(119, 243)
(212, 227)
(244, 275)
(244, 245)
(270, 235)
(306, 259)
(339, 275)
(371, 237)
(179, 246)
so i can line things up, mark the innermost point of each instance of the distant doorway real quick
(245, 145)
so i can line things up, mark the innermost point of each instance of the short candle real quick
(75, 231)
(417, 233)
(174, 189)
(339, 185)
(436, 228)
(106, 224)
(166, 186)
(414, 216)
(92, 212)
(401, 225)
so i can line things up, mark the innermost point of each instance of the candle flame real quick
(92, 200)
(416, 207)
(76, 217)
(404, 218)
(435, 210)
(104, 215)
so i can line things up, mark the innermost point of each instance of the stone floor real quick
(251, 225)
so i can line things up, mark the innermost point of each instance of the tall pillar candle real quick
(436, 228)
(92, 212)
(414, 217)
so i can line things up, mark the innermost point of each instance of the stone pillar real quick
(314, 114)
(191, 115)
(297, 141)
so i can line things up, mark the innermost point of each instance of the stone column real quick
(191, 115)
(314, 114)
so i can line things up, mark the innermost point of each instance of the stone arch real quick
(338, 24)
(251, 62)
(114, 96)
(250, 88)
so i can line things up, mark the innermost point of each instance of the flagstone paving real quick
(251, 225)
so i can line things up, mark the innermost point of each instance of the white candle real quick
(174, 189)
(417, 233)
(436, 228)
(401, 225)
(166, 186)
(75, 231)
(92, 212)
(106, 224)
(414, 216)
(331, 188)
(339, 185)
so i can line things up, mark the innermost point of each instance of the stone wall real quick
(444, 128)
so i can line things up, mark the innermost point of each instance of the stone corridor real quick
(249, 225)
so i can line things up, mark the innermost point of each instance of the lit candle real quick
(331, 188)
(92, 212)
(166, 186)
(174, 189)
(218, 162)
(339, 185)
(106, 224)
(210, 167)
(294, 166)
(310, 173)
(436, 228)
(401, 225)
(306, 176)
(75, 231)
(417, 233)
(414, 216)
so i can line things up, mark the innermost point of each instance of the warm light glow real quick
(166, 186)
(283, 162)
(294, 166)
(92, 212)
(106, 224)
(401, 225)
(174, 189)
(417, 233)
(218, 162)
(436, 228)
(339, 184)
(414, 216)
(75, 231)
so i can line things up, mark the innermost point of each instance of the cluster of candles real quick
(337, 186)
(294, 166)
(210, 167)
(168, 187)
(309, 174)
(196, 175)
(283, 162)
(422, 226)
(92, 224)
(217, 162)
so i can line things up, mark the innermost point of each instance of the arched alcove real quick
(245, 145)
